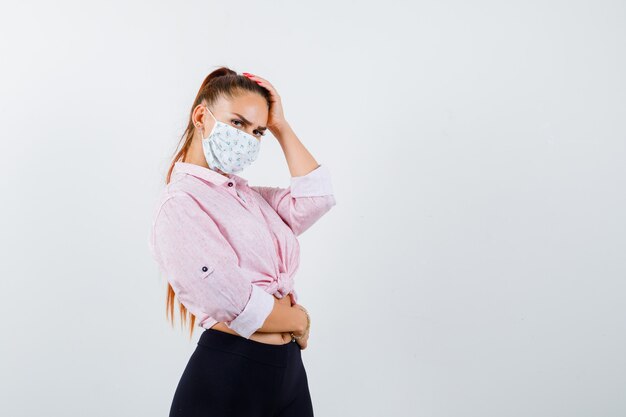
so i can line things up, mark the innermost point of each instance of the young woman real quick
(230, 252)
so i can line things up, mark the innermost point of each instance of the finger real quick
(266, 84)
(260, 80)
(255, 78)
(247, 74)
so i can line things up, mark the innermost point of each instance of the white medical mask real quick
(229, 149)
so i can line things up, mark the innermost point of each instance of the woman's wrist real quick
(299, 333)
(280, 129)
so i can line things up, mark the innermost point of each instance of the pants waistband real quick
(275, 355)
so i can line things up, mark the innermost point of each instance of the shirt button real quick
(230, 184)
(204, 269)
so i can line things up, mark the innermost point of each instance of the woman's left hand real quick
(303, 341)
(276, 116)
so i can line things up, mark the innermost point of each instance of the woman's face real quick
(247, 112)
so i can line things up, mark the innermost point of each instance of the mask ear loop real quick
(214, 118)
(207, 109)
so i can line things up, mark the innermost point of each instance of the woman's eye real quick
(255, 132)
(240, 122)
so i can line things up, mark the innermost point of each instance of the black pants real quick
(231, 376)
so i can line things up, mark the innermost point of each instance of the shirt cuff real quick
(255, 313)
(315, 183)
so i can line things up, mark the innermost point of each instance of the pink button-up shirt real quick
(228, 248)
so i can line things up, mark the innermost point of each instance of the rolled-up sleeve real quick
(306, 200)
(202, 267)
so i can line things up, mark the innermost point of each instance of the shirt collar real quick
(207, 173)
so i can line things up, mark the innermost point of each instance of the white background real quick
(474, 263)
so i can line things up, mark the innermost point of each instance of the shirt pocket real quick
(205, 270)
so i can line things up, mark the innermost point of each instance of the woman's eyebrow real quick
(248, 122)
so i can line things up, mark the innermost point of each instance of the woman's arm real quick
(203, 269)
(307, 199)
(299, 159)
(310, 194)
